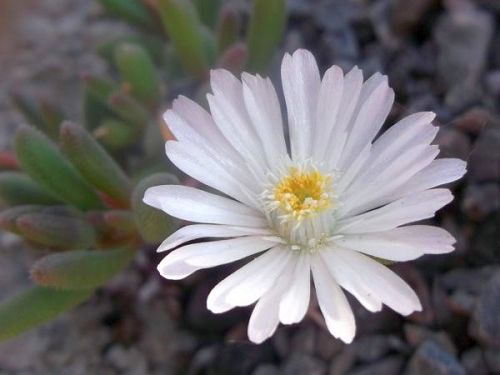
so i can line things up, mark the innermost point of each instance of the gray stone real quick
(430, 358)
(463, 32)
(304, 340)
(416, 335)
(391, 365)
(327, 345)
(300, 364)
(492, 359)
(373, 347)
(486, 318)
(474, 362)
(484, 161)
(481, 200)
(266, 369)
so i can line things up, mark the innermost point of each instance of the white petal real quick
(184, 261)
(369, 119)
(265, 315)
(301, 80)
(264, 109)
(295, 301)
(439, 172)
(197, 231)
(350, 280)
(353, 82)
(202, 166)
(195, 205)
(333, 303)
(419, 206)
(197, 125)
(382, 282)
(400, 244)
(229, 113)
(372, 190)
(329, 98)
(250, 282)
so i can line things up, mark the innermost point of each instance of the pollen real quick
(303, 193)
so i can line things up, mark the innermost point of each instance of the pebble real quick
(481, 199)
(300, 364)
(474, 362)
(486, 319)
(390, 365)
(430, 358)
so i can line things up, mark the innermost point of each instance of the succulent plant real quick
(76, 190)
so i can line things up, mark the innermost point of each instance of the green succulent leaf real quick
(138, 72)
(265, 31)
(129, 109)
(154, 226)
(184, 29)
(45, 164)
(80, 269)
(93, 162)
(208, 11)
(35, 306)
(16, 188)
(115, 134)
(28, 108)
(9, 216)
(56, 230)
(132, 11)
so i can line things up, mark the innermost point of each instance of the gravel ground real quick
(439, 55)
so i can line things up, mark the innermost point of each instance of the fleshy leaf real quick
(17, 188)
(133, 11)
(93, 162)
(115, 134)
(138, 73)
(9, 216)
(184, 29)
(208, 11)
(265, 31)
(153, 225)
(45, 164)
(35, 306)
(56, 230)
(82, 269)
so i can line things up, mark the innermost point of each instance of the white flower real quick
(338, 199)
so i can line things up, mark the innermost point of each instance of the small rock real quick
(463, 32)
(304, 340)
(407, 14)
(475, 120)
(469, 280)
(266, 369)
(391, 365)
(462, 303)
(484, 162)
(486, 319)
(373, 347)
(486, 241)
(453, 144)
(416, 335)
(430, 358)
(327, 346)
(481, 200)
(492, 360)
(492, 81)
(240, 358)
(474, 362)
(343, 361)
(300, 364)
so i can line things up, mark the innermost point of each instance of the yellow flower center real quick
(303, 193)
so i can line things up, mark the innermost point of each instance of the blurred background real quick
(55, 59)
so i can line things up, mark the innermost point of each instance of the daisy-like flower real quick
(339, 199)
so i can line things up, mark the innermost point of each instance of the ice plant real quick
(331, 206)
